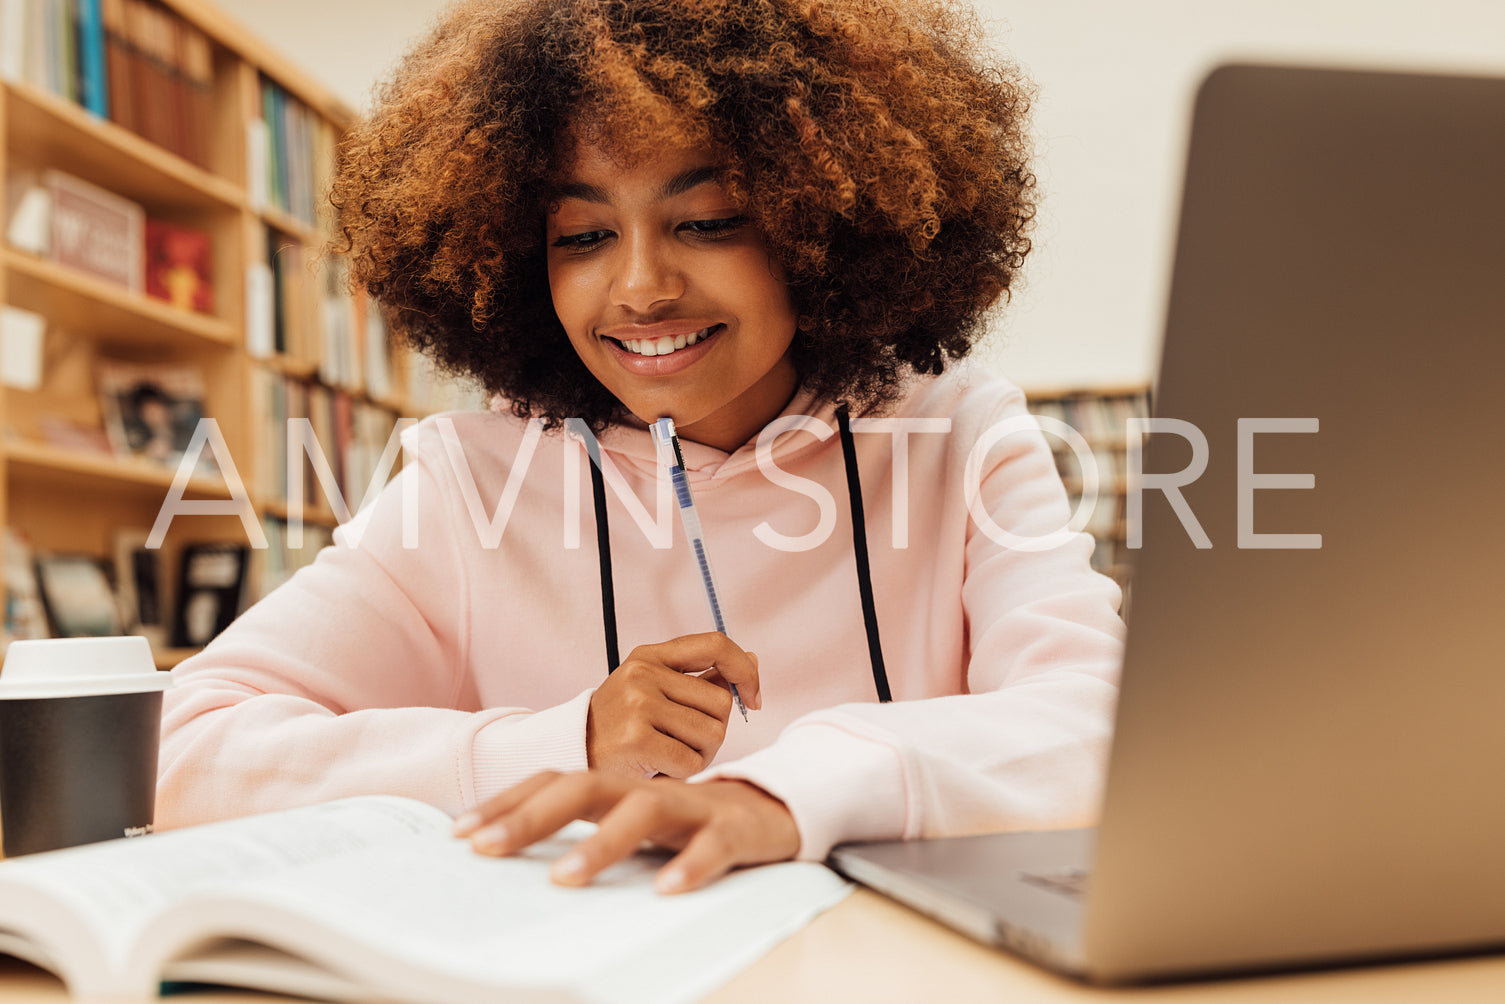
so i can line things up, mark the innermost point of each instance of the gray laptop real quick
(1308, 766)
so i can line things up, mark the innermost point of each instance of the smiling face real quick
(670, 298)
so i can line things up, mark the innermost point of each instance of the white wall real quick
(346, 44)
(1115, 79)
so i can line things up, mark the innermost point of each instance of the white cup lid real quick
(78, 667)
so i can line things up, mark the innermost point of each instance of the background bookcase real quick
(66, 498)
(1101, 416)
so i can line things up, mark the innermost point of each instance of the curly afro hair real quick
(879, 145)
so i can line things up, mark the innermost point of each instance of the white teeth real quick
(665, 345)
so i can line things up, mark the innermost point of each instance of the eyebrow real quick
(677, 185)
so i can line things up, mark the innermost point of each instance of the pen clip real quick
(666, 442)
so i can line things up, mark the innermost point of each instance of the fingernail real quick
(466, 823)
(571, 866)
(671, 879)
(491, 839)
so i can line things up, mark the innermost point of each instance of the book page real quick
(115, 887)
(438, 922)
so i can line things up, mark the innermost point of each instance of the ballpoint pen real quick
(667, 444)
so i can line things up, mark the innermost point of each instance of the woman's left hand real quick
(715, 825)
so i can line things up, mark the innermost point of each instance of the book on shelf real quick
(321, 420)
(340, 356)
(13, 39)
(170, 66)
(25, 616)
(274, 564)
(139, 586)
(28, 213)
(22, 334)
(151, 410)
(94, 230)
(28, 42)
(120, 73)
(211, 591)
(261, 310)
(63, 48)
(93, 82)
(180, 266)
(1101, 417)
(350, 437)
(371, 898)
(77, 594)
(289, 307)
(74, 435)
(376, 352)
(131, 61)
(297, 147)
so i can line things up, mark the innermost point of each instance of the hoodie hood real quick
(630, 444)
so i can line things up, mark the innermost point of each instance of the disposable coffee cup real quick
(79, 725)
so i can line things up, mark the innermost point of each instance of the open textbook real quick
(371, 898)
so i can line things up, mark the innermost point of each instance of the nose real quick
(647, 274)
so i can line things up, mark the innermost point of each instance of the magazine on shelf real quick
(180, 266)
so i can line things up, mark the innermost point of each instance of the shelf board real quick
(1061, 393)
(167, 658)
(292, 226)
(302, 369)
(86, 305)
(43, 128)
(317, 515)
(39, 461)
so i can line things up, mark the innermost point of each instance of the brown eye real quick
(715, 228)
(582, 242)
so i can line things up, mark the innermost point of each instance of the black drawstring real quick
(859, 548)
(603, 551)
(859, 551)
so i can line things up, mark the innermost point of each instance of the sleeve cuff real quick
(859, 792)
(511, 749)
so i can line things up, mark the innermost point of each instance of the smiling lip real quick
(664, 365)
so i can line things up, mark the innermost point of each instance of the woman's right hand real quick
(665, 709)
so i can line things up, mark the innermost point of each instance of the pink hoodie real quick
(460, 664)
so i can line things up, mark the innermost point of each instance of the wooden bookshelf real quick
(66, 491)
(1100, 415)
(78, 302)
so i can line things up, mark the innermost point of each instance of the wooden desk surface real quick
(870, 950)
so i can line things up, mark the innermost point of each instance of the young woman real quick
(776, 223)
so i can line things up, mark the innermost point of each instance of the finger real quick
(496, 805)
(695, 653)
(649, 812)
(710, 854)
(699, 732)
(714, 676)
(707, 693)
(565, 798)
(666, 755)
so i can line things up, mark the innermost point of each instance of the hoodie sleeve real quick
(1026, 747)
(344, 681)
